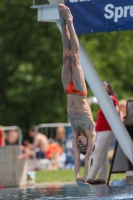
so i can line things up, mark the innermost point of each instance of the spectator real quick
(2, 136)
(41, 147)
(56, 153)
(122, 108)
(104, 137)
(12, 137)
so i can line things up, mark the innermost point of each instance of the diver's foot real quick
(66, 13)
(62, 19)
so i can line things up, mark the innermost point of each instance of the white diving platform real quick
(47, 13)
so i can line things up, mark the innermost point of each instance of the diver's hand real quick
(82, 182)
(83, 179)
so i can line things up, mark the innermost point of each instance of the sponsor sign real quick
(101, 15)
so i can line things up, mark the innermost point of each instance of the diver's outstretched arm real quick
(76, 156)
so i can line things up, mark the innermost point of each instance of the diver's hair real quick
(111, 90)
(32, 128)
(84, 153)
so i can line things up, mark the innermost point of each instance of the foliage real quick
(111, 54)
(31, 91)
(30, 80)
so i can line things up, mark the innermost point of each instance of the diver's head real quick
(108, 87)
(82, 143)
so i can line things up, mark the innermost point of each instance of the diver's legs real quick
(77, 73)
(66, 69)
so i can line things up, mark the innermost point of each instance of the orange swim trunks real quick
(72, 90)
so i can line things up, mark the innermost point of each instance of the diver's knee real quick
(75, 57)
(66, 56)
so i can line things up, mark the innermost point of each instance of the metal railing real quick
(48, 125)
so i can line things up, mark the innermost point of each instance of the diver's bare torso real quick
(79, 112)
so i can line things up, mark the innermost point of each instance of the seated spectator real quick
(56, 153)
(12, 137)
(41, 147)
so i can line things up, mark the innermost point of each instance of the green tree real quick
(112, 55)
(31, 61)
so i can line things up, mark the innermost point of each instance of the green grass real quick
(118, 176)
(55, 176)
(65, 175)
